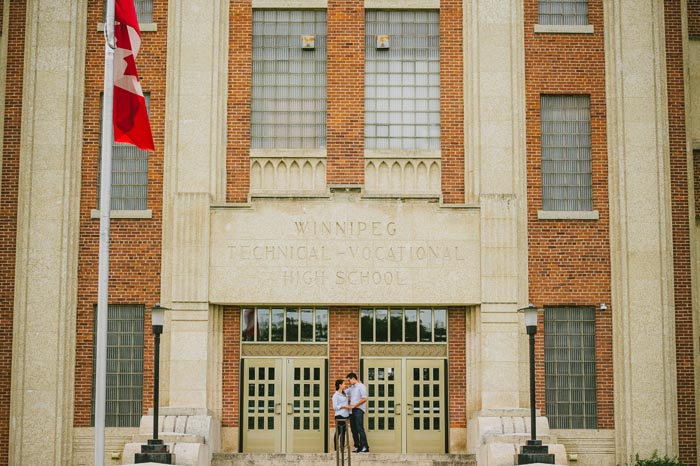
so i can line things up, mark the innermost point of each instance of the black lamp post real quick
(155, 451)
(534, 451)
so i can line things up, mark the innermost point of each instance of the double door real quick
(284, 405)
(406, 407)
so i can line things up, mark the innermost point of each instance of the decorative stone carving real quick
(311, 350)
(402, 177)
(287, 176)
(405, 350)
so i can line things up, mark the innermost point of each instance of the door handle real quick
(290, 410)
(278, 408)
(409, 409)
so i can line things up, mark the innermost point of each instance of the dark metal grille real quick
(124, 401)
(569, 366)
(566, 153)
(563, 12)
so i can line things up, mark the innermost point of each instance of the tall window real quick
(289, 79)
(402, 80)
(563, 12)
(566, 153)
(129, 174)
(569, 367)
(124, 366)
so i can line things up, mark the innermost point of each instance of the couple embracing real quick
(350, 401)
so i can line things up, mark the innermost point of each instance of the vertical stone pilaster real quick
(47, 233)
(195, 172)
(641, 229)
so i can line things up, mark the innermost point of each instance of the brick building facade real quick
(383, 201)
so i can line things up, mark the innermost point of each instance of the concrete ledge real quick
(568, 215)
(148, 213)
(563, 29)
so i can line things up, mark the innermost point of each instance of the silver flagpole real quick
(103, 261)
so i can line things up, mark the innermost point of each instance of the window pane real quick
(307, 325)
(367, 325)
(263, 324)
(292, 325)
(381, 323)
(411, 319)
(440, 316)
(396, 325)
(426, 325)
(563, 12)
(277, 325)
(321, 324)
(248, 324)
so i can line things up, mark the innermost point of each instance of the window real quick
(566, 153)
(402, 80)
(569, 367)
(403, 325)
(144, 10)
(124, 400)
(129, 175)
(289, 79)
(563, 12)
(278, 324)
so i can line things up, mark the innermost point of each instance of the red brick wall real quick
(240, 70)
(8, 208)
(694, 18)
(457, 365)
(345, 90)
(344, 347)
(451, 101)
(569, 260)
(696, 181)
(135, 244)
(231, 366)
(680, 207)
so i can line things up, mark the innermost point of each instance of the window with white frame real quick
(402, 80)
(144, 10)
(289, 79)
(566, 153)
(124, 401)
(569, 367)
(129, 174)
(563, 12)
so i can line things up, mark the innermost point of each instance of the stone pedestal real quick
(534, 452)
(154, 452)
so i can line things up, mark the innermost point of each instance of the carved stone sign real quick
(344, 252)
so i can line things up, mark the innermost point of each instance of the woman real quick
(342, 413)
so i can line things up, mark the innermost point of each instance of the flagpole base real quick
(154, 452)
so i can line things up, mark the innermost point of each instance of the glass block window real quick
(124, 402)
(129, 174)
(566, 152)
(403, 325)
(563, 12)
(402, 80)
(569, 367)
(284, 324)
(289, 79)
(144, 10)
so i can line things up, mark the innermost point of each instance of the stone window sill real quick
(568, 215)
(561, 29)
(95, 213)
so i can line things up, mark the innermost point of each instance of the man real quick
(358, 405)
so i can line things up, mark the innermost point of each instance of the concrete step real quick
(360, 459)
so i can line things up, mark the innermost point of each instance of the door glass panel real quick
(411, 320)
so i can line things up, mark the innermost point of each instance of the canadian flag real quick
(130, 114)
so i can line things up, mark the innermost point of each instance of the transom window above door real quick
(284, 324)
(403, 325)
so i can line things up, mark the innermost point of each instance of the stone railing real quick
(402, 175)
(287, 173)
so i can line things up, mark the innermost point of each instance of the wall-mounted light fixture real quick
(382, 41)
(603, 307)
(308, 42)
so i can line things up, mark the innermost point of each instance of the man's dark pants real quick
(357, 419)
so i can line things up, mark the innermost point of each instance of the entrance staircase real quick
(328, 459)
